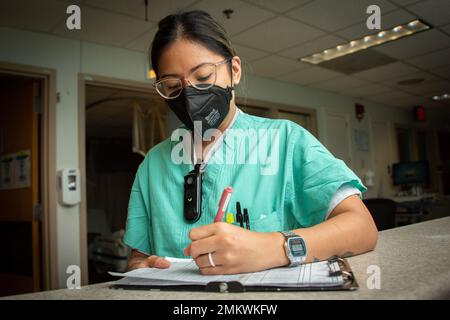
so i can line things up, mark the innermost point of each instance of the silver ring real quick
(211, 262)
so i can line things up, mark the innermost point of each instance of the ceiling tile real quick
(429, 88)
(442, 71)
(339, 84)
(142, 42)
(436, 12)
(249, 54)
(279, 5)
(244, 16)
(273, 66)
(428, 78)
(33, 15)
(332, 15)
(96, 27)
(405, 2)
(309, 75)
(388, 20)
(388, 71)
(312, 46)
(365, 90)
(397, 99)
(446, 29)
(157, 9)
(416, 44)
(282, 32)
(431, 60)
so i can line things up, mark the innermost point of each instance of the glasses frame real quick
(186, 78)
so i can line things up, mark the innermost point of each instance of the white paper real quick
(22, 170)
(6, 171)
(186, 272)
(15, 170)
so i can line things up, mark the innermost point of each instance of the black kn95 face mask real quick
(209, 106)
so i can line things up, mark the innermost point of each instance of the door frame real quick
(48, 186)
(413, 129)
(274, 107)
(391, 149)
(348, 129)
(85, 79)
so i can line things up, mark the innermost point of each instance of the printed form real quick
(186, 272)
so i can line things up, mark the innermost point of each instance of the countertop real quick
(413, 261)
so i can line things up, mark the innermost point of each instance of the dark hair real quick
(197, 26)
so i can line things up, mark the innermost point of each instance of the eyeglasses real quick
(202, 77)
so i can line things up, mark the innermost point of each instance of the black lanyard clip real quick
(193, 194)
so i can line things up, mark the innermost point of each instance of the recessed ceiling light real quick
(368, 41)
(444, 96)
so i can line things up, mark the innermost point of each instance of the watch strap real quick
(292, 260)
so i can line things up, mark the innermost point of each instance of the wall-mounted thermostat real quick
(69, 187)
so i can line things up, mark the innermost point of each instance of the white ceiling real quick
(271, 35)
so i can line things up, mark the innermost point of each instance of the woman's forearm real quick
(346, 234)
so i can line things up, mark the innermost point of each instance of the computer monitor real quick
(412, 172)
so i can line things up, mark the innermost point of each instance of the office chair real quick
(383, 212)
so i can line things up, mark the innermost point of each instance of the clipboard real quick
(349, 284)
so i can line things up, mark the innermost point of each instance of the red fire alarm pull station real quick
(359, 111)
(419, 113)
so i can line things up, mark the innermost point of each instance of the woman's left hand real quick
(234, 249)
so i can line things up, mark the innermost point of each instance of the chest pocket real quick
(266, 222)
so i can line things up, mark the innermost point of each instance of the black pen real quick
(239, 214)
(246, 218)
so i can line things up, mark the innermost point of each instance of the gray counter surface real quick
(414, 263)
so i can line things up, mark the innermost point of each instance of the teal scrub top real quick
(291, 191)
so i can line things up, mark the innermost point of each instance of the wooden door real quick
(19, 204)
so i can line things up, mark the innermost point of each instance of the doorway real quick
(383, 187)
(338, 136)
(444, 162)
(121, 125)
(27, 174)
(19, 185)
(305, 117)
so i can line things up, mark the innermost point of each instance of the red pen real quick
(223, 204)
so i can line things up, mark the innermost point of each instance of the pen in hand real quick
(223, 203)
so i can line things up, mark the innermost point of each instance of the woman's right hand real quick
(139, 260)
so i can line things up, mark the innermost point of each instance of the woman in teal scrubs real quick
(285, 178)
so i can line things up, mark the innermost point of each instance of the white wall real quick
(63, 55)
(69, 57)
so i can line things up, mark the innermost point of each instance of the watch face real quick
(297, 246)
